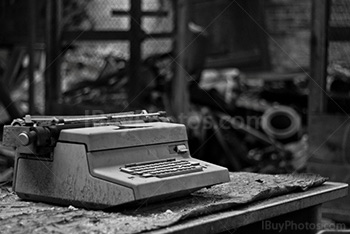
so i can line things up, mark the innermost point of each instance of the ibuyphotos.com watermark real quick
(196, 122)
(290, 225)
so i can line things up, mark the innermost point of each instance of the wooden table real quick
(250, 203)
(291, 213)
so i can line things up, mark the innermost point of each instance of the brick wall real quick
(288, 28)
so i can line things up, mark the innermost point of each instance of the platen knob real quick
(26, 138)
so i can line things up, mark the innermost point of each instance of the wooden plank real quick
(162, 215)
(319, 54)
(259, 211)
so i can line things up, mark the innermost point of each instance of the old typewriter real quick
(101, 161)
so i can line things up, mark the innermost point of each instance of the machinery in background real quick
(251, 124)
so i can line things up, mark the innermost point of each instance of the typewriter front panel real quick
(156, 170)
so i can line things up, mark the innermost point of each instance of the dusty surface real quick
(17, 216)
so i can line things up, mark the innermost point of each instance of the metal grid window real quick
(86, 59)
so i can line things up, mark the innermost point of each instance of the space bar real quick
(194, 169)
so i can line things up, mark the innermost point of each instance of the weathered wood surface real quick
(17, 216)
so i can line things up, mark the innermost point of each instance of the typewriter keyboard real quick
(162, 168)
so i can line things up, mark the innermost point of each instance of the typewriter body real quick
(105, 160)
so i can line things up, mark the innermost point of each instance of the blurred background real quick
(262, 85)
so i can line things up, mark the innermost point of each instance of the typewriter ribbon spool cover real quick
(106, 160)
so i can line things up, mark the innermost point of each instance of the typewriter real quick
(102, 161)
